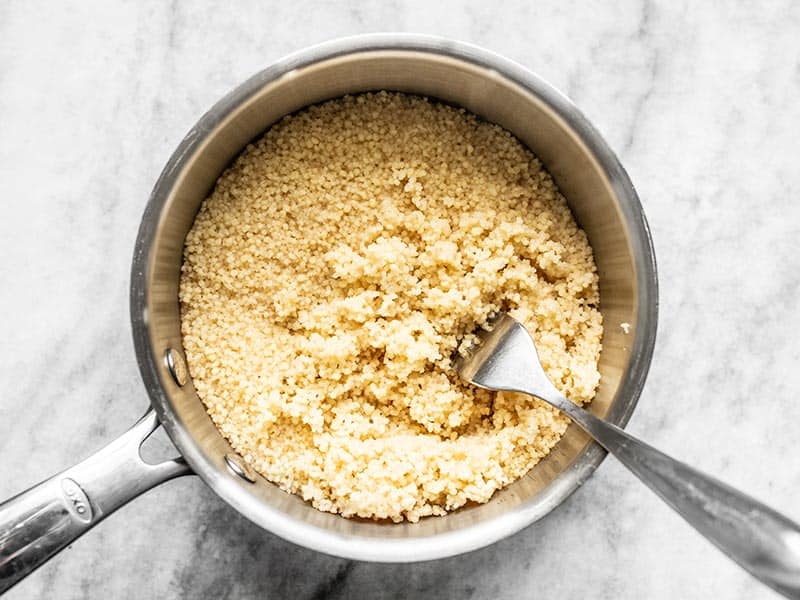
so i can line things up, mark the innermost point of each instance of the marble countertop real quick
(701, 104)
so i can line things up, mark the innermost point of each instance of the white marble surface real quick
(699, 99)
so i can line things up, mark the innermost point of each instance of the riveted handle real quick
(42, 520)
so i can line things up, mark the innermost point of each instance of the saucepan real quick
(39, 522)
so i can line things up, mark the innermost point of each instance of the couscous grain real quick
(329, 277)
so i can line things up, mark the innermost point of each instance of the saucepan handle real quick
(42, 520)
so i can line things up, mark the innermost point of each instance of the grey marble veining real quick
(699, 99)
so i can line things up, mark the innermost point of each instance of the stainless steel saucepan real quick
(42, 520)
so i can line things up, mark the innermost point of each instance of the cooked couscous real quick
(329, 278)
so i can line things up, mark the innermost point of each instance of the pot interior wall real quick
(592, 195)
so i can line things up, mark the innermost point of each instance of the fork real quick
(761, 540)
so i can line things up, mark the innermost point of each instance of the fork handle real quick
(764, 542)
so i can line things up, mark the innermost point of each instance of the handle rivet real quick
(238, 467)
(176, 366)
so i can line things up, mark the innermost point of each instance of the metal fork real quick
(761, 540)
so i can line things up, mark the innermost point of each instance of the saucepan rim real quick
(443, 544)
